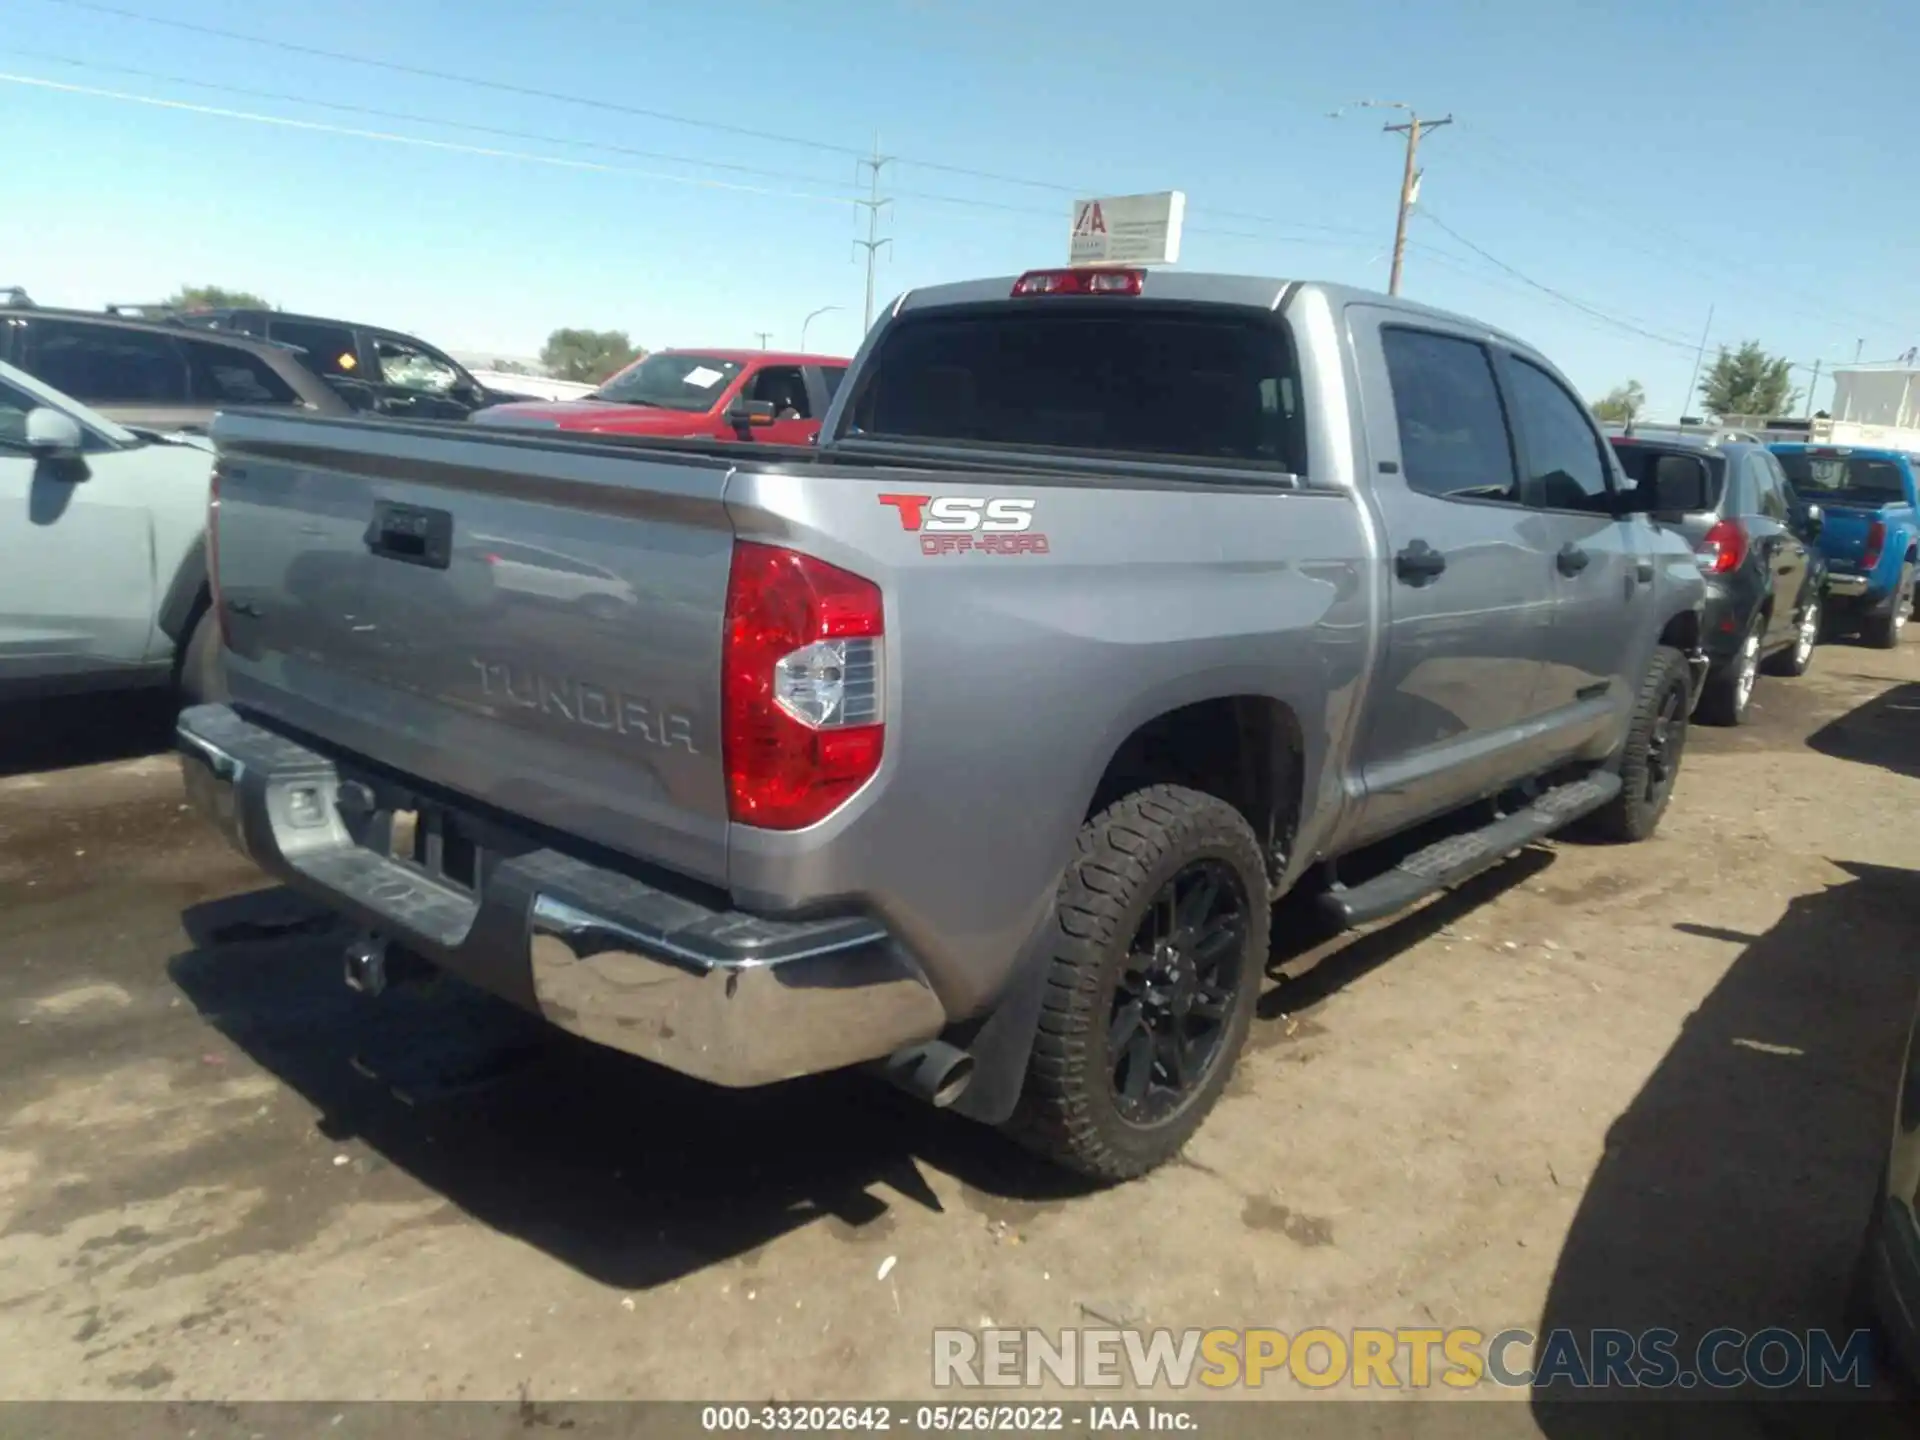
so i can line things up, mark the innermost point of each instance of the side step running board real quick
(1461, 857)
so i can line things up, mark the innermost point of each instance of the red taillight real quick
(1722, 548)
(1876, 542)
(491, 559)
(803, 706)
(1080, 282)
(213, 557)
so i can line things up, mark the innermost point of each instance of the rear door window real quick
(102, 364)
(1454, 442)
(228, 375)
(1123, 379)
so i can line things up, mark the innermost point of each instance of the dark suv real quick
(372, 369)
(1764, 576)
(155, 375)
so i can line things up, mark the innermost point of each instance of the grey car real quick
(1755, 544)
(155, 374)
(99, 525)
(976, 742)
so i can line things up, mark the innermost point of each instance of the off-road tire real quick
(1721, 701)
(1811, 620)
(1067, 1111)
(1883, 632)
(201, 675)
(1634, 814)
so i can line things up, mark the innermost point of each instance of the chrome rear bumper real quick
(665, 974)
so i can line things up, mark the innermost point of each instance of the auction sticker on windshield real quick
(701, 376)
(970, 524)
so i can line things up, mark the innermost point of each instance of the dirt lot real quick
(1603, 1087)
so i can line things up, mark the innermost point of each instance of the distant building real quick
(1886, 395)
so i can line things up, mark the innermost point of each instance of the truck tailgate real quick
(1843, 530)
(533, 624)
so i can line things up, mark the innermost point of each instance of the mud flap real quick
(1002, 1042)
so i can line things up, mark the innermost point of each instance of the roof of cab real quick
(1207, 288)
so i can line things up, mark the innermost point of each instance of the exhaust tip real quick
(953, 1084)
(935, 1072)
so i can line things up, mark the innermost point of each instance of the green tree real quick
(1748, 381)
(588, 355)
(215, 297)
(1622, 403)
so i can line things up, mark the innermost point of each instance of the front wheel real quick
(1160, 942)
(1883, 632)
(1649, 761)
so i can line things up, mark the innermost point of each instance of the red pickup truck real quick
(687, 394)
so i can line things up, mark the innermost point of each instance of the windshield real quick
(1853, 476)
(1132, 379)
(674, 381)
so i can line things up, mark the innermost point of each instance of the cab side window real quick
(1453, 429)
(1566, 468)
(785, 389)
(408, 367)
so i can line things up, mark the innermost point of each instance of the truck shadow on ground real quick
(629, 1173)
(1734, 1188)
(77, 730)
(1880, 732)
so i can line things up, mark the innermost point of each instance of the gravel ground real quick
(1599, 1087)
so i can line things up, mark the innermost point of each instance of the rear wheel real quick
(1649, 762)
(1729, 693)
(201, 674)
(1160, 943)
(1806, 636)
(1883, 632)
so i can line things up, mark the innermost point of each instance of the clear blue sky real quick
(1645, 159)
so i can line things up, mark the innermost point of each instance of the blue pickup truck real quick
(1870, 533)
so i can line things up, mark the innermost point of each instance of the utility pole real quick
(1412, 128)
(1858, 346)
(1693, 385)
(764, 335)
(874, 241)
(1811, 388)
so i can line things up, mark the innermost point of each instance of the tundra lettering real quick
(584, 703)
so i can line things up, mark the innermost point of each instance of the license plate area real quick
(433, 839)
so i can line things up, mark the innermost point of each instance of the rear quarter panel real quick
(1013, 678)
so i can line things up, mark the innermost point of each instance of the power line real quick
(965, 202)
(1681, 252)
(617, 107)
(286, 98)
(1559, 295)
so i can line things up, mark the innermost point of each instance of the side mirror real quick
(54, 434)
(1679, 485)
(745, 414)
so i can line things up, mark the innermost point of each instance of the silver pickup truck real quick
(976, 742)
